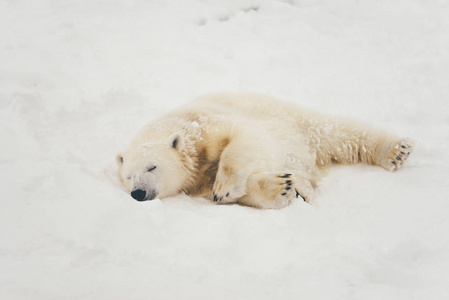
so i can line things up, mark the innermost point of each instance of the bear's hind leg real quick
(397, 154)
(275, 190)
(348, 142)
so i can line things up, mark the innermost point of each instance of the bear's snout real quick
(139, 195)
(142, 195)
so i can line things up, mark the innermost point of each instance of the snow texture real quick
(79, 78)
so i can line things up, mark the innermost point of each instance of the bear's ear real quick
(176, 141)
(119, 159)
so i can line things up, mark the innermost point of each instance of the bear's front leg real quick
(234, 169)
(229, 186)
(276, 189)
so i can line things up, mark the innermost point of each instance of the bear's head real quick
(154, 169)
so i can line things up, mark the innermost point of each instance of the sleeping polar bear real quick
(248, 149)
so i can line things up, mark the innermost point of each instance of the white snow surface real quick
(78, 79)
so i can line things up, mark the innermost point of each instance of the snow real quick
(79, 78)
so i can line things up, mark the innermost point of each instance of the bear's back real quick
(235, 105)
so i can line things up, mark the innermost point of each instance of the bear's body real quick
(249, 149)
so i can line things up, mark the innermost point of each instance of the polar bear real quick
(248, 149)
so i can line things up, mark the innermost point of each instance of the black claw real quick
(287, 188)
(215, 198)
(299, 195)
(289, 182)
(227, 195)
(403, 146)
(283, 194)
(286, 175)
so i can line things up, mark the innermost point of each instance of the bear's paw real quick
(398, 155)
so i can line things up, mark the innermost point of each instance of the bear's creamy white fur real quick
(249, 149)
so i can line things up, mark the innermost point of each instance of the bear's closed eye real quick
(151, 168)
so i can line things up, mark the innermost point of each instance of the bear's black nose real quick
(139, 195)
